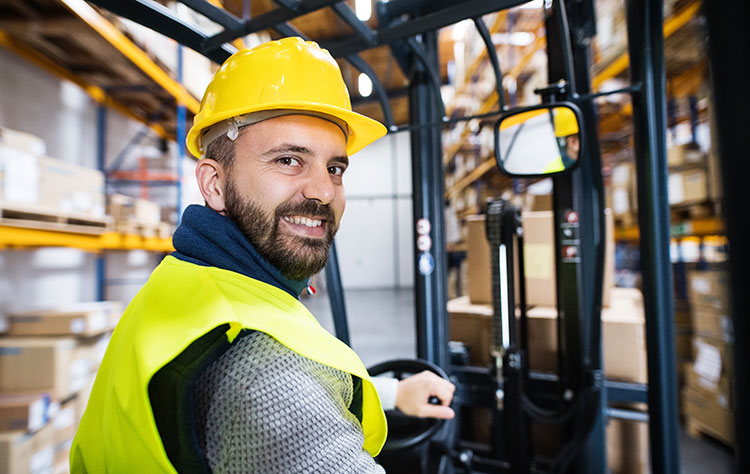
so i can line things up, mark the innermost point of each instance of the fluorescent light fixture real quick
(533, 4)
(364, 84)
(516, 38)
(363, 9)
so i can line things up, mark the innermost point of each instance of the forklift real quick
(574, 400)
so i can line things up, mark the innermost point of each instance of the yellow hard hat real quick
(566, 122)
(287, 74)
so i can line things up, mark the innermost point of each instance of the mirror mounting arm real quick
(558, 91)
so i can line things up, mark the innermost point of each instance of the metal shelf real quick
(22, 238)
(686, 228)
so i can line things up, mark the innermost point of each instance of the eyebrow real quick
(287, 147)
(344, 160)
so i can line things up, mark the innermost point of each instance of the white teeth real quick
(306, 221)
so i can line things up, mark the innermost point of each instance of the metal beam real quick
(159, 18)
(644, 19)
(265, 21)
(215, 14)
(433, 75)
(492, 53)
(421, 24)
(347, 15)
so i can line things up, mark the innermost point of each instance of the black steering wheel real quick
(404, 431)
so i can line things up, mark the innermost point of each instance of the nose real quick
(319, 186)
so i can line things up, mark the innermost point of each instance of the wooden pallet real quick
(134, 227)
(32, 217)
(698, 210)
(697, 429)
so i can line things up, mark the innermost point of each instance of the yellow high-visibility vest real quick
(180, 303)
(554, 166)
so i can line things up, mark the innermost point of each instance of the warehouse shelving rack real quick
(84, 15)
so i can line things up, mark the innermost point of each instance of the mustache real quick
(306, 208)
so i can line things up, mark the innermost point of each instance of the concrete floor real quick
(381, 326)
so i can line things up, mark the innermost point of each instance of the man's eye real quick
(288, 161)
(336, 170)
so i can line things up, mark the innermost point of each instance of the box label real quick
(707, 362)
(537, 263)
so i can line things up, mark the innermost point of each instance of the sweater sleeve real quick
(264, 408)
(387, 388)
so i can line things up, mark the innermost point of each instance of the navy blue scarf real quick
(207, 238)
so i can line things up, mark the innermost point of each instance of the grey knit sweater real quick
(263, 408)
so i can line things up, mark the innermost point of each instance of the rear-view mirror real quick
(539, 141)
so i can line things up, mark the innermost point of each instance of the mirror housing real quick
(541, 140)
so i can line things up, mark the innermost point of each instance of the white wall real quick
(374, 242)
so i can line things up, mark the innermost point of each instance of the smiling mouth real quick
(305, 221)
(306, 226)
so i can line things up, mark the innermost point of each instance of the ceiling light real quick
(363, 8)
(516, 38)
(533, 4)
(364, 84)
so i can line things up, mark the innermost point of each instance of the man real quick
(216, 366)
(566, 130)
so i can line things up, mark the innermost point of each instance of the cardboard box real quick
(720, 392)
(627, 447)
(623, 193)
(711, 418)
(51, 185)
(20, 176)
(472, 325)
(623, 334)
(713, 324)
(22, 141)
(70, 188)
(64, 425)
(680, 155)
(81, 319)
(478, 261)
(91, 350)
(709, 288)
(27, 453)
(28, 412)
(42, 365)
(121, 207)
(539, 260)
(683, 341)
(147, 212)
(713, 358)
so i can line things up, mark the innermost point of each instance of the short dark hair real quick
(222, 151)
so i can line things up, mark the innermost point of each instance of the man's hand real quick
(414, 394)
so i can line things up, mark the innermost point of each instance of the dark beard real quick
(297, 258)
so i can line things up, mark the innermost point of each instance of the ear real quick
(211, 180)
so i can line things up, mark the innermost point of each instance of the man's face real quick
(573, 146)
(285, 190)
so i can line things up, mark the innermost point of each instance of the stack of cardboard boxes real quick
(32, 183)
(138, 216)
(707, 397)
(48, 358)
(623, 328)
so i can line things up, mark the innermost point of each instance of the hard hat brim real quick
(362, 129)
